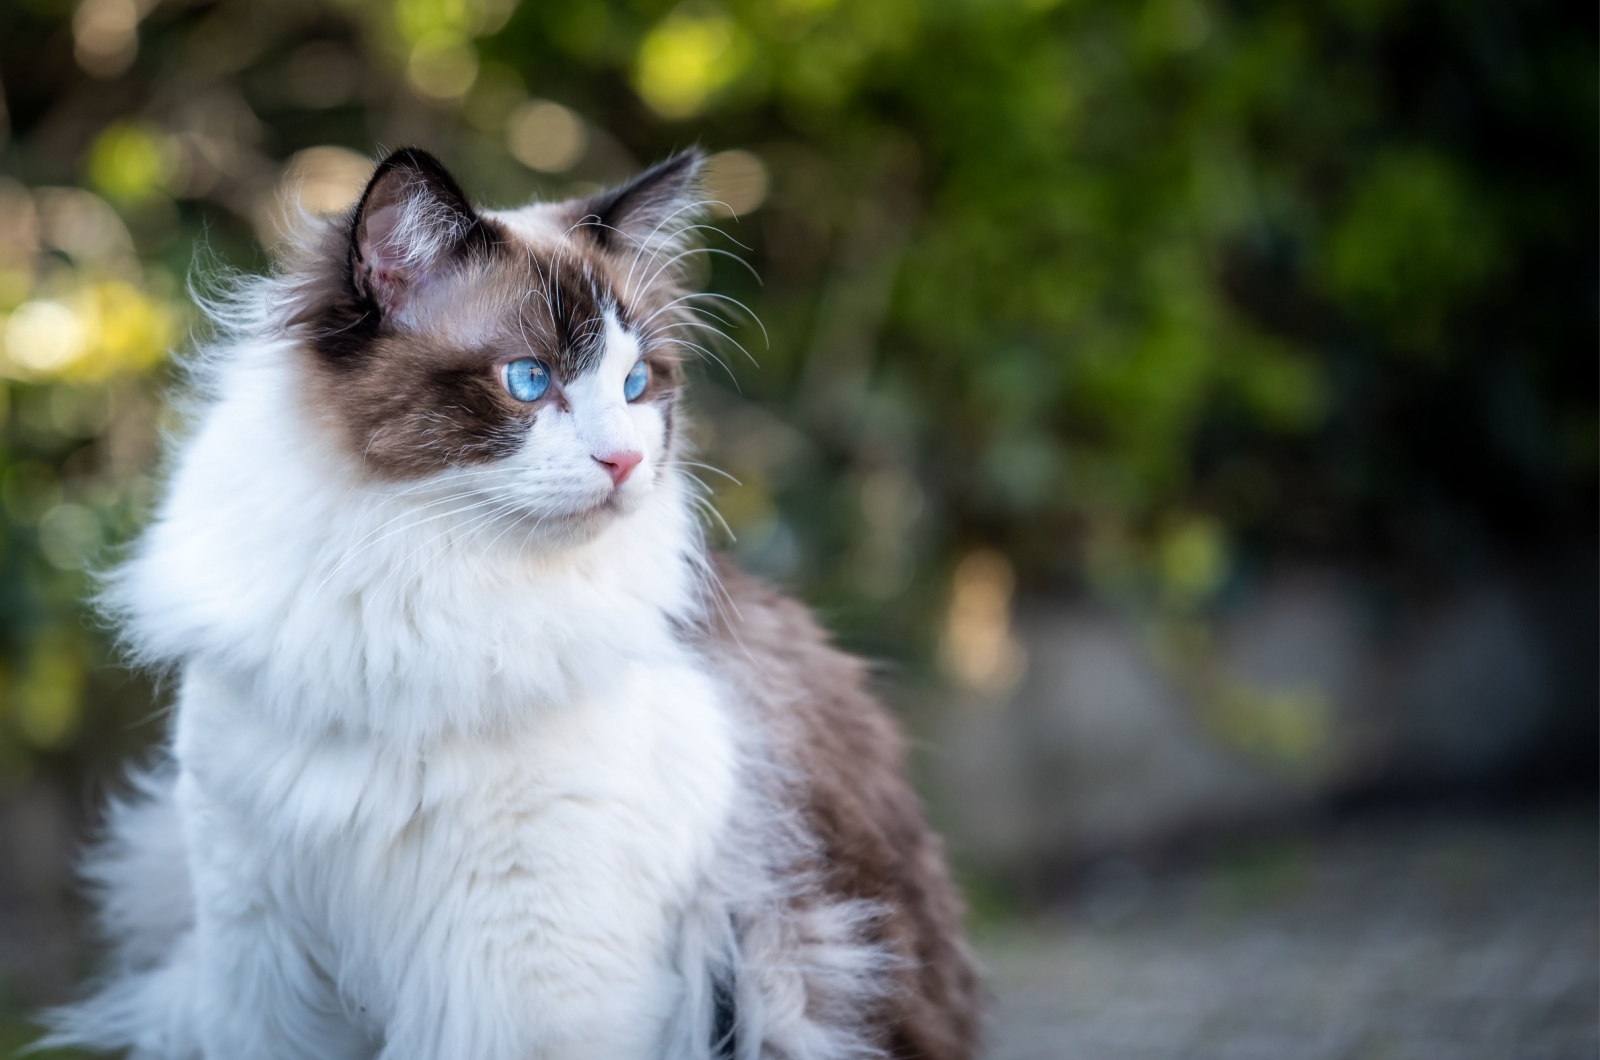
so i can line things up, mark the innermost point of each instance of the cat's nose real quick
(620, 464)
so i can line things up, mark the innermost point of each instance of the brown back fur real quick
(872, 840)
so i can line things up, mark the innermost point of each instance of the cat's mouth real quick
(586, 519)
(618, 502)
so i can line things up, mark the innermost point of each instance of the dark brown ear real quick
(652, 209)
(412, 218)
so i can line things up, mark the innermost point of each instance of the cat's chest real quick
(655, 735)
(626, 790)
(637, 779)
(551, 864)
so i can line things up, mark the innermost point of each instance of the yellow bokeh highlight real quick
(441, 62)
(978, 648)
(135, 331)
(327, 179)
(688, 58)
(736, 182)
(317, 181)
(129, 162)
(47, 696)
(442, 68)
(45, 336)
(105, 35)
(546, 136)
(103, 329)
(457, 20)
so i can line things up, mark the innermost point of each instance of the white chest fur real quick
(513, 897)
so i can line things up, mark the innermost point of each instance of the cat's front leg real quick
(259, 993)
(511, 968)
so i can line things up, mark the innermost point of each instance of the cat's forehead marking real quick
(545, 292)
(562, 311)
(550, 291)
(537, 224)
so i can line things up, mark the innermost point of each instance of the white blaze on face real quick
(607, 424)
(591, 454)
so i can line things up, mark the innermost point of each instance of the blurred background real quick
(1191, 403)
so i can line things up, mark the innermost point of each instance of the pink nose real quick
(619, 465)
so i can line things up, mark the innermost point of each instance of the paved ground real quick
(1401, 939)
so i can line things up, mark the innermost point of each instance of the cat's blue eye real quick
(525, 379)
(638, 379)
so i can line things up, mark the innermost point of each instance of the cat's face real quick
(525, 360)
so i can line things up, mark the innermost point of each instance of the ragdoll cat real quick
(477, 753)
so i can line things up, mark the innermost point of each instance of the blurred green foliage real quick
(1138, 296)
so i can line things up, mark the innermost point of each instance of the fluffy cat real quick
(477, 752)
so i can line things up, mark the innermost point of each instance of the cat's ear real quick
(412, 218)
(651, 210)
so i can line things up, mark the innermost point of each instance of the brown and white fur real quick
(477, 752)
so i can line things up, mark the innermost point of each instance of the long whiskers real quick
(715, 331)
(375, 537)
(501, 508)
(662, 244)
(678, 462)
(690, 252)
(701, 350)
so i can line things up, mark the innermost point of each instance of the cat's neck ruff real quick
(404, 613)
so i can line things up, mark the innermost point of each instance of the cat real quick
(477, 750)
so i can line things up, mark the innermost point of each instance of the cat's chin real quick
(583, 526)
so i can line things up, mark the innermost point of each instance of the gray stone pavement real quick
(1421, 938)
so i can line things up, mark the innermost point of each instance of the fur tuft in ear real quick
(649, 211)
(412, 218)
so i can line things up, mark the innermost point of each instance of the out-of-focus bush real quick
(1060, 293)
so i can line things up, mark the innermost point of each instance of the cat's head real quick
(531, 356)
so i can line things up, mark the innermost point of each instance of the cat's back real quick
(843, 755)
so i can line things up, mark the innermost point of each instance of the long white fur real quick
(444, 781)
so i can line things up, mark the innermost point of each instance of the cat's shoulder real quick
(844, 754)
(773, 648)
